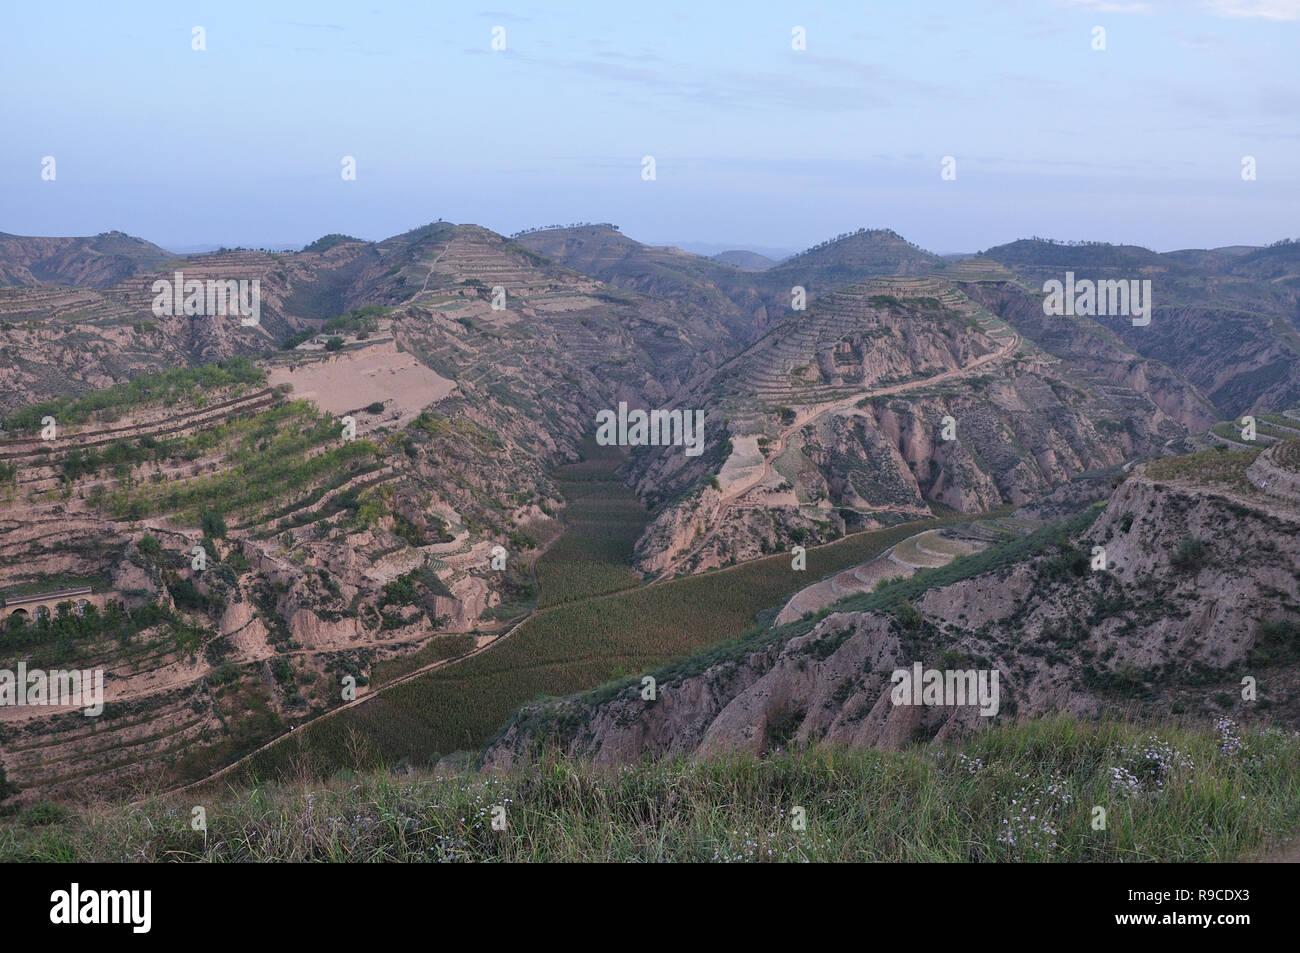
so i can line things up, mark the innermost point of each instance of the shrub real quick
(1276, 642)
(186, 596)
(909, 617)
(1190, 554)
(45, 813)
(1071, 562)
(224, 674)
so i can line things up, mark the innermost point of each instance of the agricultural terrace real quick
(192, 386)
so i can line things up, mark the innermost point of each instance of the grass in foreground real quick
(1027, 791)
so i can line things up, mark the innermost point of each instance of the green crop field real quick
(602, 520)
(438, 649)
(1231, 430)
(1046, 540)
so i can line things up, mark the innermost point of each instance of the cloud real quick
(311, 26)
(1254, 9)
(1111, 6)
(1202, 42)
(1228, 9)
(827, 84)
(501, 15)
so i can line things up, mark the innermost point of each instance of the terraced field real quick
(1287, 456)
(929, 549)
(974, 269)
(235, 456)
(1269, 429)
(203, 664)
(783, 369)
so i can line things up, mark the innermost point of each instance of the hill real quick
(320, 557)
(1246, 301)
(853, 257)
(748, 302)
(745, 260)
(695, 283)
(94, 262)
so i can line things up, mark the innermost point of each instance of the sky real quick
(756, 144)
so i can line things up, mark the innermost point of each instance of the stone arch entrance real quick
(45, 604)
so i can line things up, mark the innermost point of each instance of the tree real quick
(150, 546)
(213, 523)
